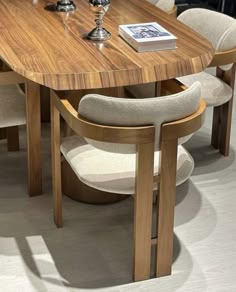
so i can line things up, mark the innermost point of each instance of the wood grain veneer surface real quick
(50, 49)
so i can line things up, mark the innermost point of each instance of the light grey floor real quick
(93, 252)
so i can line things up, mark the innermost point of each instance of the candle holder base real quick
(65, 7)
(99, 34)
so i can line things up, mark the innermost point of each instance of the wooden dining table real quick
(51, 49)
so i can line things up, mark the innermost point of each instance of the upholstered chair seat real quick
(12, 109)
(214, 90)
(114, 172)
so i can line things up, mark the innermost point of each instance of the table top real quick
(50, 49)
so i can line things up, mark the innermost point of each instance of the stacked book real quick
(149, 36)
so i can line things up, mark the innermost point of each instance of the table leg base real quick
(76, 190)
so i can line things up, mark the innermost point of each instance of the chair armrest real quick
(11, 77)
(223, 58)
(104, 133)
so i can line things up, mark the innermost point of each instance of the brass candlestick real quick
(99, 8)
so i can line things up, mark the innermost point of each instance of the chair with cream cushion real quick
(118, 149)
(12, 109)
(165, 5)
(217, 91)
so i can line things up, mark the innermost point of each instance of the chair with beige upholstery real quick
(118, 149)
(217, 91)
(12, 109)
(166, 5)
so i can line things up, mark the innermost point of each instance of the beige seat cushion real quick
(113, 172)
(213, 90)
(12, 106)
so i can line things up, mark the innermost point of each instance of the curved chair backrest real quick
(218, 28)
(165, 5)
(138, 112)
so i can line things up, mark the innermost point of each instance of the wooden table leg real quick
(34, 138)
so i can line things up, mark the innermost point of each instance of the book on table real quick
(149, 36)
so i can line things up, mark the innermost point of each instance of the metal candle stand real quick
(65, 6)
(99, 8)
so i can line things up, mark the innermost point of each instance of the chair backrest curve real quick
(165, 5)
(218, 28)
(138, 112)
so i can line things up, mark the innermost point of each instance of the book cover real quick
(147, 36)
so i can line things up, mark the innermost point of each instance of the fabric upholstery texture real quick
(214, 91)
(12, 109)
(138, 112)
(165, 5)
(218, 28)
(114, 172)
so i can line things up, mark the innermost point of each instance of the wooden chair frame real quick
(144, 138)
(222, 115)
(10, 133)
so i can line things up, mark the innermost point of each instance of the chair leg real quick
(215, 132)
(13, 138)
(166, 205)
(143, 211)
(56, 165)
(226, 119)
(221, 127)
(222, 115)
